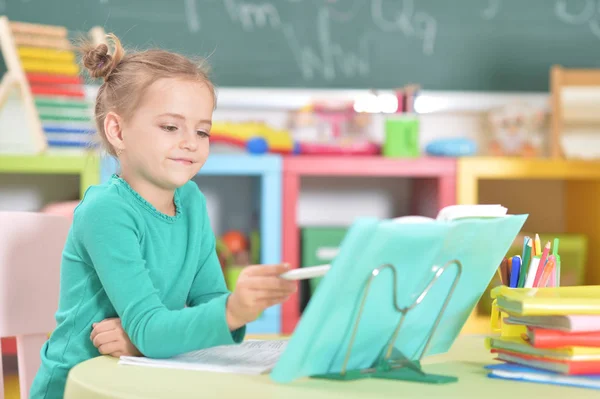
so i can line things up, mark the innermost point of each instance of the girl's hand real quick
(110, 339)
(257, 288)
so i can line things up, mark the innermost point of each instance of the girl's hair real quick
(127, 76)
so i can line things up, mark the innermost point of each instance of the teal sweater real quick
(160, 274)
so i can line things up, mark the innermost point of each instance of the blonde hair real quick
(127, 76)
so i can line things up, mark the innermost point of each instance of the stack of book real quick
(549, 335)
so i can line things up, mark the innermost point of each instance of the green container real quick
(401, 137)
(572, 249)
(319, 246)
(231, 276)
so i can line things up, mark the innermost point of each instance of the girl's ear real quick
(114, 132)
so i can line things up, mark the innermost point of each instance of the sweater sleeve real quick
(209, 282)
(110, 236)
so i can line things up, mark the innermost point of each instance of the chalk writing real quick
(585, 12)
(492, 9)
(191, 15)
(329, 54)
(408, 22)
(251, 15)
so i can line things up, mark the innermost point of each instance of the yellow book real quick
(519, 345)
(550, 301)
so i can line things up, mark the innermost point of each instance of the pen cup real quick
(401, 137)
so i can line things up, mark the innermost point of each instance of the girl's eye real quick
(169, 128)
(203, 134)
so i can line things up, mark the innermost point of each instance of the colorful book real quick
(522, 373)
(570, 323)
(551, 301)
(519, 345)
(563, 366)
(544, 338)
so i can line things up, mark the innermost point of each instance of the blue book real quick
(509, 371)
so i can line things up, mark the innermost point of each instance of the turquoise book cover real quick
(416, 250)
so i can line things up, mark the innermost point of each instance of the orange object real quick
(235, 241)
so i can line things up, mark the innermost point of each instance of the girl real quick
(139, 273)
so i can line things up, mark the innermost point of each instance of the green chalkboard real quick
(496, 45)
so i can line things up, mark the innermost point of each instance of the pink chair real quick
(31, 247)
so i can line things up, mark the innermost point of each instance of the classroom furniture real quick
(31, 247)
(267, 169)
(320, 246)
(433, 188)
(580, 207)
(578, 108)
(86, 166)
(102, 377)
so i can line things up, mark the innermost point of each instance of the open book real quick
(249, 357)
(454, 212)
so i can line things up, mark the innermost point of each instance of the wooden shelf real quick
(86, 166)
(581, 190)
(369, 166)
(435, 182)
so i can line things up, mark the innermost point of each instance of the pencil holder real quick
(498, 325)
(401, 137)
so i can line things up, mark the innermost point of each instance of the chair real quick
(31, 247)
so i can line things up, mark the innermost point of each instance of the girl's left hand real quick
(110, 339)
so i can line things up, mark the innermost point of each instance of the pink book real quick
(576, 323)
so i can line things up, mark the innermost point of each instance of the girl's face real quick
(165, 142)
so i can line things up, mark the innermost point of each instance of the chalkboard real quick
(492, 45)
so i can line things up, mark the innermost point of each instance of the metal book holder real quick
(400, 367)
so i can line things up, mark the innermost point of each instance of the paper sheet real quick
(249, 357)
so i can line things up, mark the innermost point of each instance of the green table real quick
(102, 377)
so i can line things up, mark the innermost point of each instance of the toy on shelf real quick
(517, 130)
(254, 137)
(452, 147)
(332, 129)
(42, 88)
(236, 251)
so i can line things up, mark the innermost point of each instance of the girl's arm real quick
(209, 282)
(108, 232)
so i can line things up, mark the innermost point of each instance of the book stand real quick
(398, 367)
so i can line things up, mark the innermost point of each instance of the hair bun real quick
(98, 61)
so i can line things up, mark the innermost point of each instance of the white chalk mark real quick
(492, 10)
(252, 15)
(402, 20)
(330, 55)
(345, 16)
(191, 15)
(407, 21)
(427, 30)
(570, 17)
(595, 28)
(593, 23)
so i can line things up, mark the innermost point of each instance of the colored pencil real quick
(542, 265)
(525, 264)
